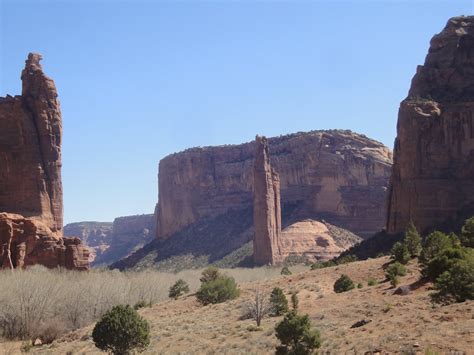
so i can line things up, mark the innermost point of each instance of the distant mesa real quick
(433, 174)
(31, 196)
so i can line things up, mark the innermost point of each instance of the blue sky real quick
(139, 80)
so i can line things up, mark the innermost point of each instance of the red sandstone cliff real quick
(433, 172)
(30, 177)
(339, 176)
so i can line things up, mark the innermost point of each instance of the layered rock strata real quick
(339, 176)
(433, 172)
(30, 176)
(266, 207)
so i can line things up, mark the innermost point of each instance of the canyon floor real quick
(407, 324)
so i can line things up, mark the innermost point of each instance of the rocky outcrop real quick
(316, 240)
(433, 173)
(339, 176)
(111, 242)
(30, 177)
(266, 207)
(30, 149)
(27, 241)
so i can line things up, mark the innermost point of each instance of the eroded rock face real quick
(111, 242)
(433, 173)
(339, 176)
(30, 177)
(27, 241)
(266, 207)
(315, 240)
(30, 149)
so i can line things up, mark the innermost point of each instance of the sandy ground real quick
(407, 324)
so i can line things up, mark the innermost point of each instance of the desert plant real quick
(343, 284)
(400, 253)
(278, 301)
(258, 308)
(435, 244)
(467, 233)
(285, 271)
(347, 259)
(296, 335)
(443, 261)
(178, 289)
(322, 264)
(294, 301)
(372, 282)
(412, 241)
(359, 285)
(219, 290)
(121, 330)
(141, 304)
(457, 282)
(393, 271)
(210, 273)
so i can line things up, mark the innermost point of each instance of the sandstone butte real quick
(337, 176)
(433, 174)
(312, 239)
(31, 204)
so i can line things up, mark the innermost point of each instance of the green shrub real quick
(435, 244)
(372, 282)
(278, 302)
(443, 262)
(141, 304)
(121, 331)
(457, 282)
(399, 253)
(296, 335)
(217, 291)
(467, 233)
(322, 264)
(179, 288)
(412, 241)
(343, 284)
(210, 273)
(393, 271)
(359, 285)
(285, 271)
(347, 259)
(294, 301)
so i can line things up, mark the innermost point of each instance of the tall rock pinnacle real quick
(266, 207)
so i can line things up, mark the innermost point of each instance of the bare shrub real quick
(258, 308)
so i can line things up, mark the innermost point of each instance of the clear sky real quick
(139, 80)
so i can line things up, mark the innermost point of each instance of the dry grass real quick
(399, 324)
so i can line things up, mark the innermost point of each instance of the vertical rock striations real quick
(266, 207)
(30, 177)
(433, 172)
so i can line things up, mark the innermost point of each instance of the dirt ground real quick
(407, 324)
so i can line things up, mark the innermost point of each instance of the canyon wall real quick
(339, 176)
(433, 172)
(266, 208)
(111, 242)
(30, 177)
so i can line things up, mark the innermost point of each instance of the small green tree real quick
(467, 233)
(435, 244)
(393, 271)
(296, 335)
(210, 273)
(412, 240)
(121, 331)
(443, 261)
(179, 288)
(217, 291)
(295, 301)
(400, 253)
(457, 282)
(278, 302)
(343, 284)
(285, 271)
